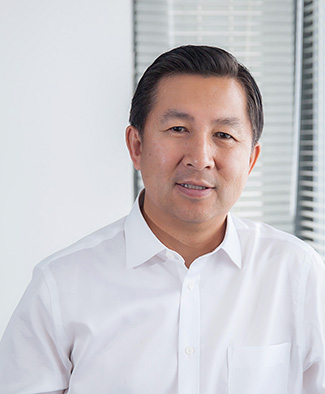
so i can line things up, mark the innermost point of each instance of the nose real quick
(199, 152)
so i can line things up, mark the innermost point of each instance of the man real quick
(180, 296)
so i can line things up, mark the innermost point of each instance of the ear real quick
(134, 144)
(254, 156)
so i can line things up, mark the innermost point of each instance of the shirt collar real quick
(231, 244)
(142, 244)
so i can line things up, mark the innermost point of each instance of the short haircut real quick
(196, 60)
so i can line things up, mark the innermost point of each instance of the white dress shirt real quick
(119, 313)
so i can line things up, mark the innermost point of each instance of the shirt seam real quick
(302, 289)
(56, 316)
(75, 248)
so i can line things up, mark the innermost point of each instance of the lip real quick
(194, 189)
(196, 183)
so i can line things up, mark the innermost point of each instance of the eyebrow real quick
(232, 121)
(175, 114)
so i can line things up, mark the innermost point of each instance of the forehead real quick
(199, 95)
(193, 80)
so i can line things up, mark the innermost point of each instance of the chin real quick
(200, 218)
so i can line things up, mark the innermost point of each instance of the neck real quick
(190, 240)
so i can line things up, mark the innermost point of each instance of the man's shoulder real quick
(269, 237)
(91, 244)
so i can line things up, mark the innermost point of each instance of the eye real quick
(224, 136)
(178, 129)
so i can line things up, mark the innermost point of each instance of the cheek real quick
(155, 160)
(235, 165)
(162, 155)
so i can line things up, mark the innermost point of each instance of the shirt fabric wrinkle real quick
(129, 317)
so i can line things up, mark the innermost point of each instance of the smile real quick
(188, 186)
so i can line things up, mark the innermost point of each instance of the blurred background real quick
(67, 72)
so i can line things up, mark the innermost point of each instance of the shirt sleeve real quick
(314, 328)
(32, 359)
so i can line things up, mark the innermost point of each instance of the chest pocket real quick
(258, 370)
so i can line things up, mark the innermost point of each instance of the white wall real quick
(65, 86)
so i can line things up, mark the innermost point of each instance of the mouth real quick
(194, 187)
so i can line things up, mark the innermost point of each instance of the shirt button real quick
(189, 350)
(190, 286)
(171, 256)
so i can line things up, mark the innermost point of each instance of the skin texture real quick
(199, 134)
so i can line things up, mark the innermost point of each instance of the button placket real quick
(189, 335)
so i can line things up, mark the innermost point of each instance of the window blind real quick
(260, 33)
(311, 185)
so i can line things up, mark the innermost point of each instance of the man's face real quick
(196, 151)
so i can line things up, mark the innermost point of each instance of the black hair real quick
(196, 60)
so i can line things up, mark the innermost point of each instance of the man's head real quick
(191, 136)
(195, 60)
